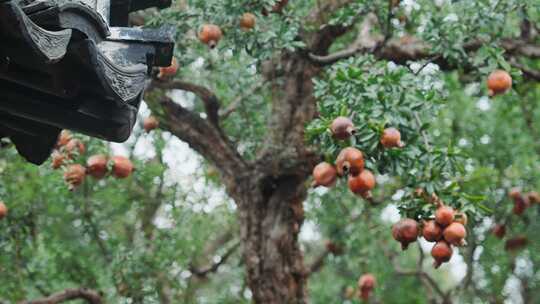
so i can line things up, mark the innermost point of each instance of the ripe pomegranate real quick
(455, 234)
(498, 82)
(534, 197)
(169, 71)
(210, 35)
(122, 167)
(441, 252)
(391, 138)
(405, 231)
(247, 21)
(342, 128)
(516, 243)
(324, 174)
(74, 148)
(3, 210)
(58, 160)
(350, 160)
(520, 204)
(150, 123)
(96, 166)
(461, 217)
(63, 138)
(444, 216)
(278, 7)
(74, 175)
(499, 230)
(366, 284)
(362, 183)
(432, 232)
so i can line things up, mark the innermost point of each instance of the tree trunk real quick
(271, 214)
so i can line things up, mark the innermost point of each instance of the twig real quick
(203, 272)
(91, 296)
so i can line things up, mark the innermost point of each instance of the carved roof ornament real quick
(74, 64)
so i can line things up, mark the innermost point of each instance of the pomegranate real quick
(514, 193)
(3, 210)
(58, 160)
(520, 204)
(74, 176)
(391, 138)
(169, 71)
(444, 216)
(455, 234)
(405, 231)
(362, 183)
(122, 167)
(342, 128)
(441, 252)
(247, 21)
(74, 148)
(534, 197)
(210, 35)
(498, 82)
(150, 123)
(461, 217)
(350, 160)
(324, 174)
(333, 248)
(278, 7)
(63, 138)
(432, 232)
(96, 166)
(499, 230)
(366, 284)
(516, 243)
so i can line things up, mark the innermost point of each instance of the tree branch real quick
(203, 272)
(91, 296)
(237, 101)
(211, 102)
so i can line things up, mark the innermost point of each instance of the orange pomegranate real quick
(210, 35)
(534, 197)
(444, 216)
(350, 160)
(405, 231)
(247, 21)
(441, 252)
(432, 232)
(461, 217)
(342, 128)
(58, 160)
(74, 148)
(324, 174)
(169, 71)
(96, 166)
(455, 234)
(122, 167)
(498, 82)
(362, 183)
(74, 176)
(3, 210)
(391, 138)
(366, 284)
(150, 123)
(63, 138)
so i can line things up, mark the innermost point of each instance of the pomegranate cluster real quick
(447, 229)
(69, 150)
(350, 161)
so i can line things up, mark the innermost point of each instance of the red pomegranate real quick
(405, 231)
(150, 123)
(3, 210)
(324, 174)
(210, 35)
(441, 252)
(278, 7)
(74, 176)
(391, 138)
(247, 21)
(96, 166)
(169, 71)
(63, 138)
(516, 243)
(514, 193)
(342, 128)
(350, 160)
(74, 148)
(58, 160)
(444, 216)
(521, 203)
(498, 82)
(499, 230)
(122, 167)
(455, 234)
(366, 284)
(432, 232)
(362, 183)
